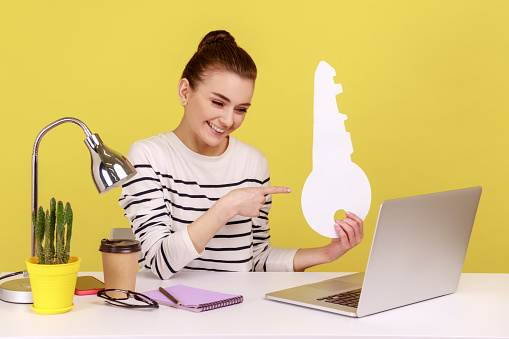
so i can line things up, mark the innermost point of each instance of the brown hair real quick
(218, 50)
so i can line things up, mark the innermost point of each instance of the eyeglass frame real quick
(150, 303)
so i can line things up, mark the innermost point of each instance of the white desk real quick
(479, 309)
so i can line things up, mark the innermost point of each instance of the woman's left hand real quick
(350, 231)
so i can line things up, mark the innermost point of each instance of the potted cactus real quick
(53, 271)
(53, 231)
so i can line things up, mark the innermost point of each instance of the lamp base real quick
(17, 291)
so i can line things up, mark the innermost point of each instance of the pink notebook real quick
(194, 299)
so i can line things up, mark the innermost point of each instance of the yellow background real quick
(425, 83)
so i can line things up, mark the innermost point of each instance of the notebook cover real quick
(192, 297)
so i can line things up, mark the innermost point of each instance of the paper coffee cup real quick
(120, 264)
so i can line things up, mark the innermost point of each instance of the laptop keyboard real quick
(350, 298)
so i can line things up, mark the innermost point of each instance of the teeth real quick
(215, 128)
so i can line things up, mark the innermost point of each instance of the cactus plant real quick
(46, 254)
(54, 229)
(59, 233)
(39, 222)
(68, 221)
(52, 205)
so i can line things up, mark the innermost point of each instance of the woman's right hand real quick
(248, 201)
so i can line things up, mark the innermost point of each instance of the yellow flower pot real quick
(53, 285)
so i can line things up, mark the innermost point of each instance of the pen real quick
(172, 298)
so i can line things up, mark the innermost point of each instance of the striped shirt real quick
(174, 186)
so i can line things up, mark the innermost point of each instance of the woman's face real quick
(212, 110)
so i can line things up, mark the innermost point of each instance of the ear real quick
(183, 90)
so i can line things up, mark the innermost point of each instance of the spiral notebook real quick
(194, 299)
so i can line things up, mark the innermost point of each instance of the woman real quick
(201, 198)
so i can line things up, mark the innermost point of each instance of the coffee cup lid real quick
(120, 246)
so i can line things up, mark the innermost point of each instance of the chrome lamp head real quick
(109, 168)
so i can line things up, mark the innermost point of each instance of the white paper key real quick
(335, 183)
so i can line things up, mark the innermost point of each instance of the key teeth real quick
(338, 89)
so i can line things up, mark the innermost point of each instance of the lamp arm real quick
(55, 124)
(35, 165)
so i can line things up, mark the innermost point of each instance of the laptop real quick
(417, 253)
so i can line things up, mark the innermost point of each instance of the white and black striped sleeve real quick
(266, 257)
(164, 250)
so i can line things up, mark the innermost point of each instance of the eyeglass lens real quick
(120, 295)
(127, 298)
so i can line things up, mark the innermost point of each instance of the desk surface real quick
(479, 309)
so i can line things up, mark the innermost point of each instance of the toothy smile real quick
(218, 130)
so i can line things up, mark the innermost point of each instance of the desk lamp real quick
(109, 170)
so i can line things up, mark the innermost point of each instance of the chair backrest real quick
(121, 233)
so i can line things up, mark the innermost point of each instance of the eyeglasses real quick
(140, 300)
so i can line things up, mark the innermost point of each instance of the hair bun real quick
(215, 37)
